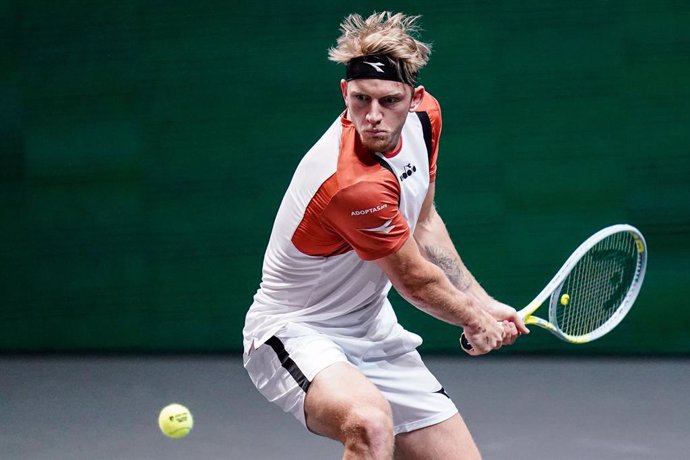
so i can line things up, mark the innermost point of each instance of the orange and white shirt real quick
(345, 207)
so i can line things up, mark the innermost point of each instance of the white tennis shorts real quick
(283, 368)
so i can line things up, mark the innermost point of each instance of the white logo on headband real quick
(376, 65)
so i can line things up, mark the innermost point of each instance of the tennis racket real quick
(595, 288)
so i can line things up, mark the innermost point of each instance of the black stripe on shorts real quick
(287, 362)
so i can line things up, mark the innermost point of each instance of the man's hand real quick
(506, 320)
(485, 334)
(513, 326)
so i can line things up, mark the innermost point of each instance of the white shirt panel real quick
(342, 294)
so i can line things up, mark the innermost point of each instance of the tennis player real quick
(321, 339)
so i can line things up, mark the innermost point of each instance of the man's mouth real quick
(375, 132)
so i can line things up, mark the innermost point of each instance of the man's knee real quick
(369, 429)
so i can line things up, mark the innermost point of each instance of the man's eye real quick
(391, 100)
(360, 97)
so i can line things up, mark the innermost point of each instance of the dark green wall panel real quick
(145, 147)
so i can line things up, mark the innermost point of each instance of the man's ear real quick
(343, 89)
(417, 96)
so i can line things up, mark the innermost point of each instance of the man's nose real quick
(374, 115)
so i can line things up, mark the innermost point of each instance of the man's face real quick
(378, 109)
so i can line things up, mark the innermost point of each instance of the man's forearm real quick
(437, 247)
(451, 265)
(432, 293)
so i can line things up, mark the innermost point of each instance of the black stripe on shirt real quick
(426, 129)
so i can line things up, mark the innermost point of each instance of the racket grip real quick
(464, 343)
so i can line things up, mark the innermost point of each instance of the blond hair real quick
(382, 34)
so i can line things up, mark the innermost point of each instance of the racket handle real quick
(464, 343)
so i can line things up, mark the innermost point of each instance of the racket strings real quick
(601, 277)
(597, 285)
(613, 283)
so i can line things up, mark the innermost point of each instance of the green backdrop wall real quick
(145, 147)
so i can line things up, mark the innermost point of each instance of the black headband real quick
(378, 67)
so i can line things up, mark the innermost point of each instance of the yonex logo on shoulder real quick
(376, 65)
(364, 212)
(408, 170)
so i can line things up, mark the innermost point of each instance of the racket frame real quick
(552, 289)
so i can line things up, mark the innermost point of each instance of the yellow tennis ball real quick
(175, 421)
(565, 298)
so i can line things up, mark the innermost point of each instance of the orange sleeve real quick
(431, 106)
(367, 217)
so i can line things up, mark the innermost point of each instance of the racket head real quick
(609, 267)
(600, 284)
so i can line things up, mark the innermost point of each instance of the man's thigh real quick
(283, 368)
(416, 397)
(448, 440)
(338, 392)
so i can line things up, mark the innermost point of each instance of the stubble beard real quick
(382, 145)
